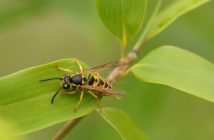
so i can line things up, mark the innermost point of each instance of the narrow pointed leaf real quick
(123, 124)
(123, 18)
(180, 69)
(26, 102)
(171, 13)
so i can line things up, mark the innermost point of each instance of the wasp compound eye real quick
(67, 79)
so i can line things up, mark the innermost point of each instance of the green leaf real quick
(123, 18)
(171, 13)
(123, 124)
(27, 102)
(7, 131)
(141, 39)
(178, 68)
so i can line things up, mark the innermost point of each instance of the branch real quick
(66, 128)
(120, 70)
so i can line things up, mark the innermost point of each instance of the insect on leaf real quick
(27, 102)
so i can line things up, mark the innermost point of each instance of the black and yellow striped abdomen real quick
(97, 81)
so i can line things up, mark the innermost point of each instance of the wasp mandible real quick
(89, 80)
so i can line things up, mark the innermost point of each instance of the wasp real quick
(82, 82)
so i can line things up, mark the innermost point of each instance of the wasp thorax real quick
(76, 79)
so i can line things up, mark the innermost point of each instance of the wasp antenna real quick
(43, 80)
(52, 100)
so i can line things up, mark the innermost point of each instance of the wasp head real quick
(66, 81)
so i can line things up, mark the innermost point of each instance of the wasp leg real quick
(79, 102)
(68, 92)
(64, 70)
(78, 63)
(97, 99)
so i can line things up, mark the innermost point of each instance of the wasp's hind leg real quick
(97, 100)
(79, 102)
(78, 63)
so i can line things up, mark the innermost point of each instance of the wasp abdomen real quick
(91, 80)
(98, 81)
(101, 83)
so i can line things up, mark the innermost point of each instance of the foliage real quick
(165, 65)
(26, 102)
(116, 118)
(124, 19)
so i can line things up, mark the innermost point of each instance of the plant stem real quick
(120, 70)
(66, 128)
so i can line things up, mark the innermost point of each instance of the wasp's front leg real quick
(79, 102)
(78, 63)
(64, 70)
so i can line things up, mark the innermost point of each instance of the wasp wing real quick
(105, 66)
(102, 91)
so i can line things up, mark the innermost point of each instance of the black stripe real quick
(91, 80)
(106, 84)
(100, 83)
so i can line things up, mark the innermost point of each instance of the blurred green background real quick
(34, 32)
